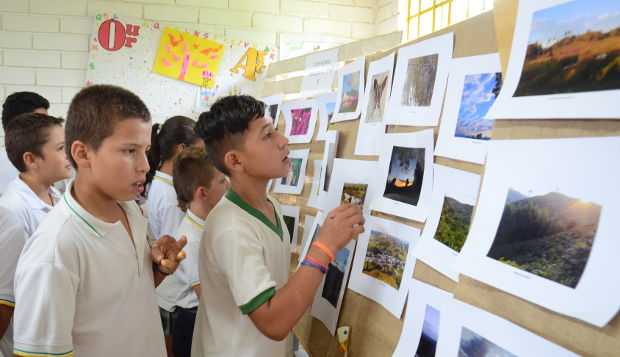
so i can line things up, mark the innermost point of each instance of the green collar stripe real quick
(236, 199)
(194, 222)
(19, 352)
(258, 301)
(80, 217)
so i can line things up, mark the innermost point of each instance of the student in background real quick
(12, 240)
(248, 304)
(167, 141)
(199, 187)
(84, 283)
(14, 105)
(162, 210)
(35, 145)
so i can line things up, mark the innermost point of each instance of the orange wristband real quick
(323, 248)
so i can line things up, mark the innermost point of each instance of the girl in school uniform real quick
(162, 210)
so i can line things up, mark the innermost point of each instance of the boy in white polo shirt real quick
(248, 304)
(199, 187)
(12, 241)
(15, 104)
(84, 284)
(35, 144)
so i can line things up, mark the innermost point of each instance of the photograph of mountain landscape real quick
(474, 345)
(335, 277)
(454, 223)
(548, 234)
(404, 180)
(479, 94)
(573, 47)
(386, 257)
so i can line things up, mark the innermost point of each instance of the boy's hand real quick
(167, 253)
(341, 225)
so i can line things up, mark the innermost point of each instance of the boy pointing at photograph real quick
(248, 304)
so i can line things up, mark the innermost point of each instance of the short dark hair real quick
(228, 116)
(164, 139)
(95, 111)
(192, 169)
(28, 133)
(20, 103)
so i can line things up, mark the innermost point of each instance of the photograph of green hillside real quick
(386, 257)
(573, 47)
(454, 223)
(549, 235)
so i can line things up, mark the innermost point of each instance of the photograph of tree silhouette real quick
(573, 47)
(549, 235)
(404, 181)
(386, 257)
(335, 277)
(454, 223)
(474, 345)
(430, 332)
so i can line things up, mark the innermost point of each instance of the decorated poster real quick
(187, 57)
(122, 51)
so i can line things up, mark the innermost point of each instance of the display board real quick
(374, 331)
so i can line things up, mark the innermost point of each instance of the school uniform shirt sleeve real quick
(239, 255)
(12, 240)
(43, 318)
(171, 217)
(189, 265)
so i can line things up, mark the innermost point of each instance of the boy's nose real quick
(143, 164)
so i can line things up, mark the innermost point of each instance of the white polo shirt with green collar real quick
(12, 240)
(244, 259)
(177, 289)
(83, 287)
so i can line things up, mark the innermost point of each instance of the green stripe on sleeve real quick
(258, 301)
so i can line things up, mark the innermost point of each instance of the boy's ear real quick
(232, 161)
(79, 152)
(29, 160)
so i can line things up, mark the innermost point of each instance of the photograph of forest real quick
(454, 223)
(548, 234)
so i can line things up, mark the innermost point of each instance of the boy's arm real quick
(6, 313)
(277, 317)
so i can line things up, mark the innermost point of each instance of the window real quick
(427, 16)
